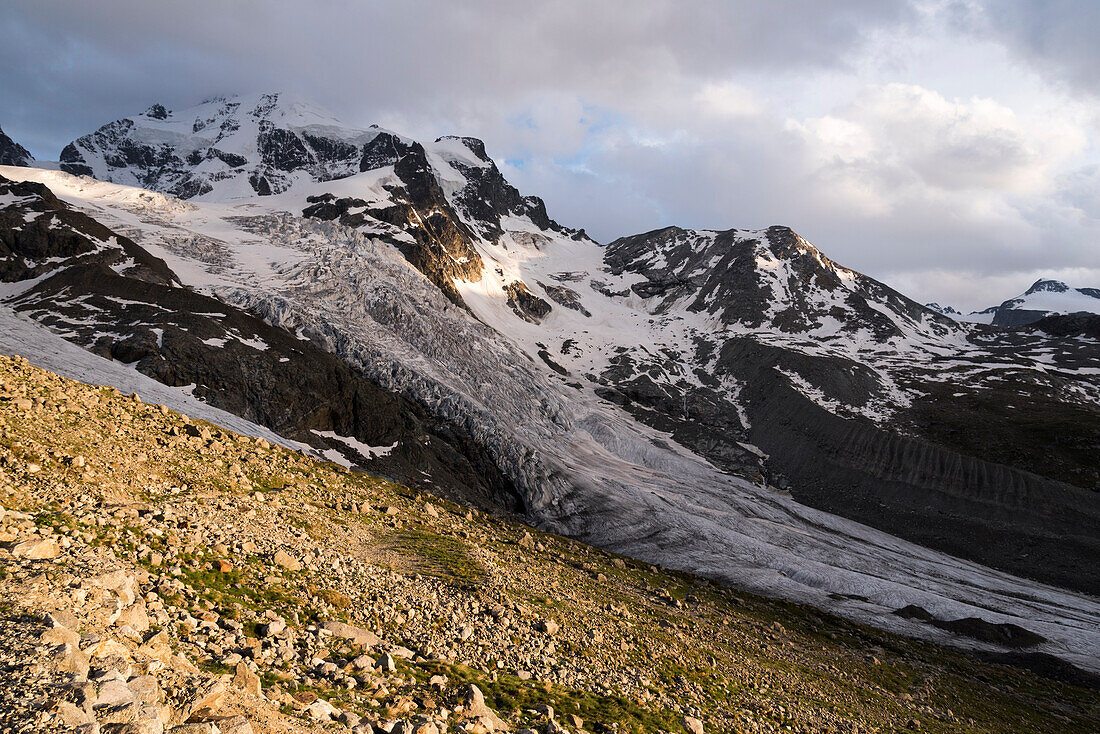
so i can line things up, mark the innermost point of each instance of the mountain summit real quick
(12, 153)
(1044, 298)
(225, 146)
(732, 402)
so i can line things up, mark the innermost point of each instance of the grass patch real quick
(441, 556)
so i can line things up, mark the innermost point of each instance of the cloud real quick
(902, 137)
(1057, 36)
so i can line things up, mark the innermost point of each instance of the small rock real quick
(476, 708)
(145, 689)
(60, 636)
(386, 663)
(235, 725)
(548, 626)
(135, 616)
(68, 658)
(322, 710)
(272, 628)
(71, 715)
(206, 695)
(348, 719)
(113, 693)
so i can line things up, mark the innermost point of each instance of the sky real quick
(950, 148)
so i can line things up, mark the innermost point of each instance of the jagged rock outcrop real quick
(12, 153)
(487, 197)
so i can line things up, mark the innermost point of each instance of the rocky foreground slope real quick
(163, 574)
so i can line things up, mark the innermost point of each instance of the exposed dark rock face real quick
(1006, 635)
(384, 150)
(698, 417)
(1009, 317)
(12, 153)
(564, 296)
(526, 304)
(443, 247)
(157, 112)
(721, 276)
(997, 515)
(72, 161)
(137, 314)
(1079, 324)
(40, 234)
(487, 197)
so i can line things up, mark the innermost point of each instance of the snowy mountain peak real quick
(224, 147)
(1052, 286)
(1045, 297)
(471, 145)
(945, 310)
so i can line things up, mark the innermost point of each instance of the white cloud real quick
(728, 100)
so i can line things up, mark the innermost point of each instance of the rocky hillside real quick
(163, 574)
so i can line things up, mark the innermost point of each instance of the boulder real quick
(145, 689)
(359, 636)
(476, 708)
(203, 697)
(287, 561)
(39, 549)
(135, 616)
(548, 626)
(322, 710)
(246, 680)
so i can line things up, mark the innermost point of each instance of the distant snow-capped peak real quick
(1045, 297)
(224, 147)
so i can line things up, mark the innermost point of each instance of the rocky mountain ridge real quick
(602, 381)
(12, 153)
